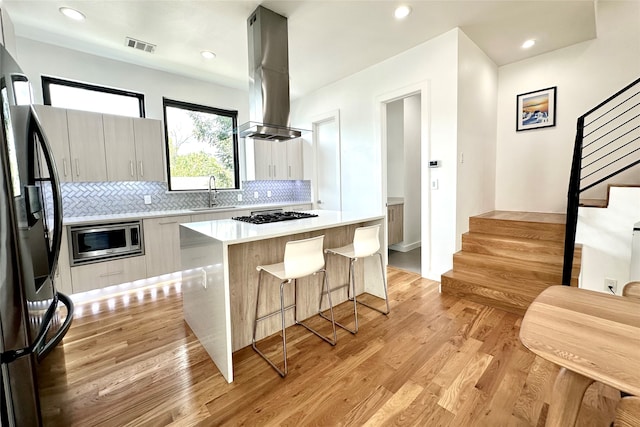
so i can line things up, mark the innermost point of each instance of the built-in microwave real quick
(98, 242)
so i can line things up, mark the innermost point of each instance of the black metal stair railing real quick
(607, 144)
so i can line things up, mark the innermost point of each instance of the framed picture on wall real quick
(535, 110)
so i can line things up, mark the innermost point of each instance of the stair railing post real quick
(573, 202)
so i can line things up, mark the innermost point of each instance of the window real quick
(99, 99)
(200, 143)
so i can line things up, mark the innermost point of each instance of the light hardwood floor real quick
(436, 360)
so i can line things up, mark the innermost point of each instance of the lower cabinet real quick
(107, 273)
(162, 254)
(395, 224)
(162, 244)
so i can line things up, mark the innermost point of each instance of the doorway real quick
(326, 142)
(403, 152)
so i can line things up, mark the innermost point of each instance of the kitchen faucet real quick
(213, 201)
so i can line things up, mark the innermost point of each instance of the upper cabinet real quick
(149, 149)
(275, 159)
(120, 150)
(54, 122)
(102, 147)
(86, 145)
(133, 148)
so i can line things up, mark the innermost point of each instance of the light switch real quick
(434, 184)
(147, 200)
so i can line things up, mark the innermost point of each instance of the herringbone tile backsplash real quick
(103, 198)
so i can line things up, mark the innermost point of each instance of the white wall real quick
(37, 58)
(432, 69)
(533, 166)
(476, 155)
(605, 235)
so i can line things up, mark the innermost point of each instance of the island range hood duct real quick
(268, 78)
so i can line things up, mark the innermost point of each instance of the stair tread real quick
(531, 287)
(540, 217)
(500, 261)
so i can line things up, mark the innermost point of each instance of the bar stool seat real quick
(366, 243)
(301, 258)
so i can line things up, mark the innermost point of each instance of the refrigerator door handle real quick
(12, 355)
(35, 127)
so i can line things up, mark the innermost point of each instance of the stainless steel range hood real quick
(268, 78)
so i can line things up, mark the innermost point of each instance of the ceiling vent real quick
(139, 45)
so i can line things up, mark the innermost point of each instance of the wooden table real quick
(592, 336)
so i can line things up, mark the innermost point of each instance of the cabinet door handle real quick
(131, 167)
(114, 273)
(289, 171)
(269, 171)
(274, 171)
(64, 166)
(77, 168)
(167, 223)
(141, 169)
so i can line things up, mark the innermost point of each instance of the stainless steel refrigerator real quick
(33, 315)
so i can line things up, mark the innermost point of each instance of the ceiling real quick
(328, 40)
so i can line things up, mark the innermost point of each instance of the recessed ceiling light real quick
(206, 54)
(529, 43)
(72, 13)
(402, 12)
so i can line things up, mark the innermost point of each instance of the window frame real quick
(48, 80)
(233, 114)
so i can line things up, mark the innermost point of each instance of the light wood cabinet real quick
(54, 122)
(149, 149)
(275, 160)
(90, 146)
(107, 273)
(120, 150)
(395, 224)
(86, 146)
(162, 244)
(294, 159)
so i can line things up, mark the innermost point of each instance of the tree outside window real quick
(200, 143)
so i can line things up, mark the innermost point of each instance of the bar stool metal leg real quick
(325, 284)
(284, 337)
(350, 285)
(386, 295)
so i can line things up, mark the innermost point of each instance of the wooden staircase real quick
(508, 258)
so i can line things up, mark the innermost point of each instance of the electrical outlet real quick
(239, 197)
(434, 184)
(147, 200)
(268, 193)
(610, 285)
(255, 195)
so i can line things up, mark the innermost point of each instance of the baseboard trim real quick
(401, 247)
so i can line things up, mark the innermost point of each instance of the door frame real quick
(423, 89)
(316, 121)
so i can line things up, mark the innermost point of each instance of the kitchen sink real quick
(212, 208)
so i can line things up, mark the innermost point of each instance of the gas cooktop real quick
(274, 215)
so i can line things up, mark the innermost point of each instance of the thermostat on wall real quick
(434, 163)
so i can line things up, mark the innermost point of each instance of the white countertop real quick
(81, 220)
(230, 231)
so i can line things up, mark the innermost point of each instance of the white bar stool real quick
(365, 243)
(301, 258)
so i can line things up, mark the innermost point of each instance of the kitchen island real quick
(219, 260)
